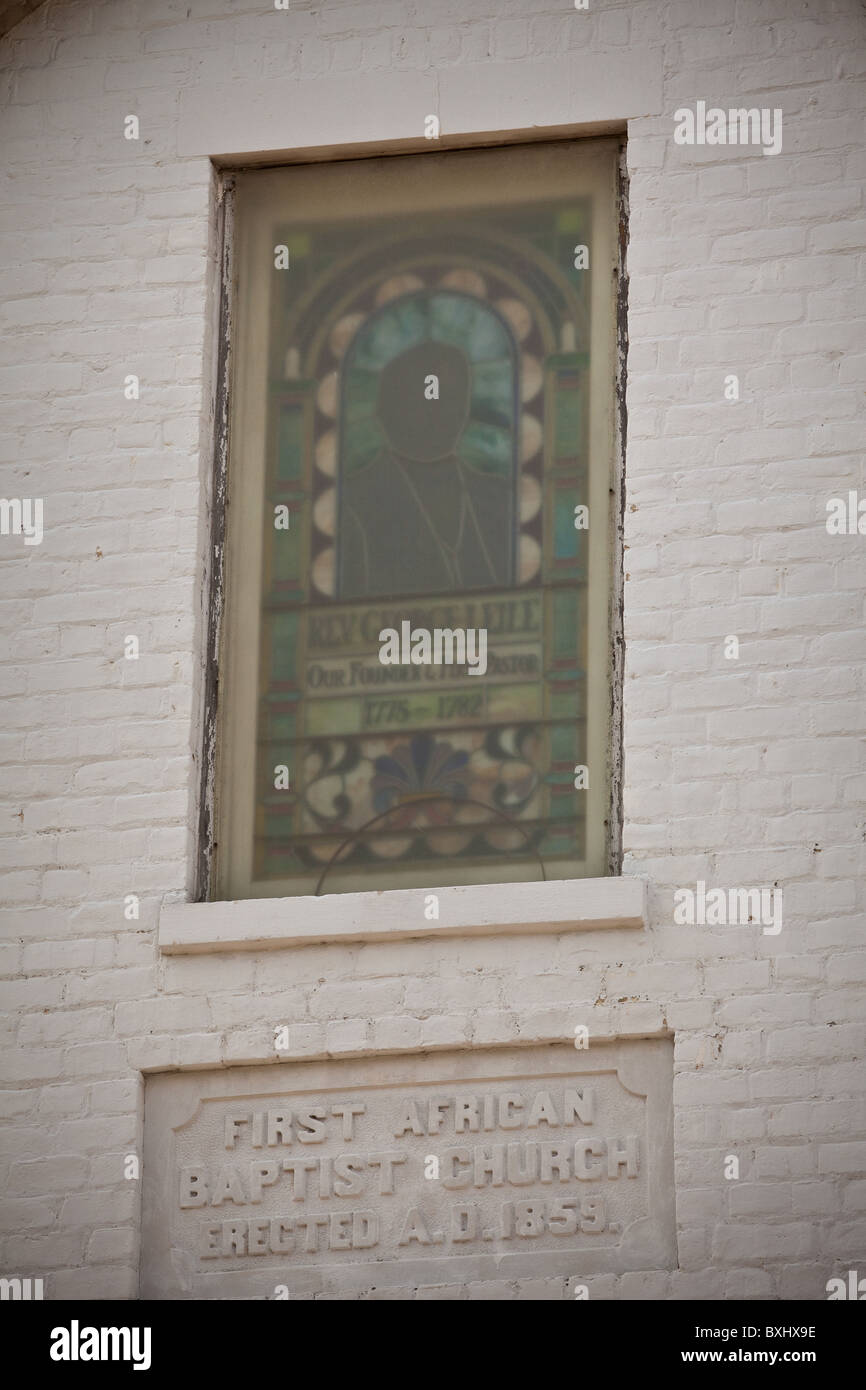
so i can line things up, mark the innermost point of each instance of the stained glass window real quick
(421, 443)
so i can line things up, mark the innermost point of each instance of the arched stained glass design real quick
(427, 447)
(444, 470)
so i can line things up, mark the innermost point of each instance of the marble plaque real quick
(340, 1177)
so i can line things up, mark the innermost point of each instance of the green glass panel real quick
(561, 743)
(281, 728)
(404, 324)
(568, 422)
(286, 552)
(360, 388)
(470, 325)
(566, 703)
(284, 637)
(290, 443)
(488, 448)
(565, 544)
(366, 440)
(492, 392)
(565, 628)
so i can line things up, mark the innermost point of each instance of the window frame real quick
(225, 828)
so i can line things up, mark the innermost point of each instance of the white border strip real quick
(584, 904)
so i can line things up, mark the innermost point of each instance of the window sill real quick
(587, 904)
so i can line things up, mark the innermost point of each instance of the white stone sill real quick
(581, 904)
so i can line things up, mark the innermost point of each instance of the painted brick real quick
(735, 771)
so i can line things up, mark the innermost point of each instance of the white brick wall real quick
(738, 772)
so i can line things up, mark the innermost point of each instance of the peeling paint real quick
(617, 645)
(216, 576)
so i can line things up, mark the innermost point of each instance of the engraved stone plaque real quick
(345, 1176)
